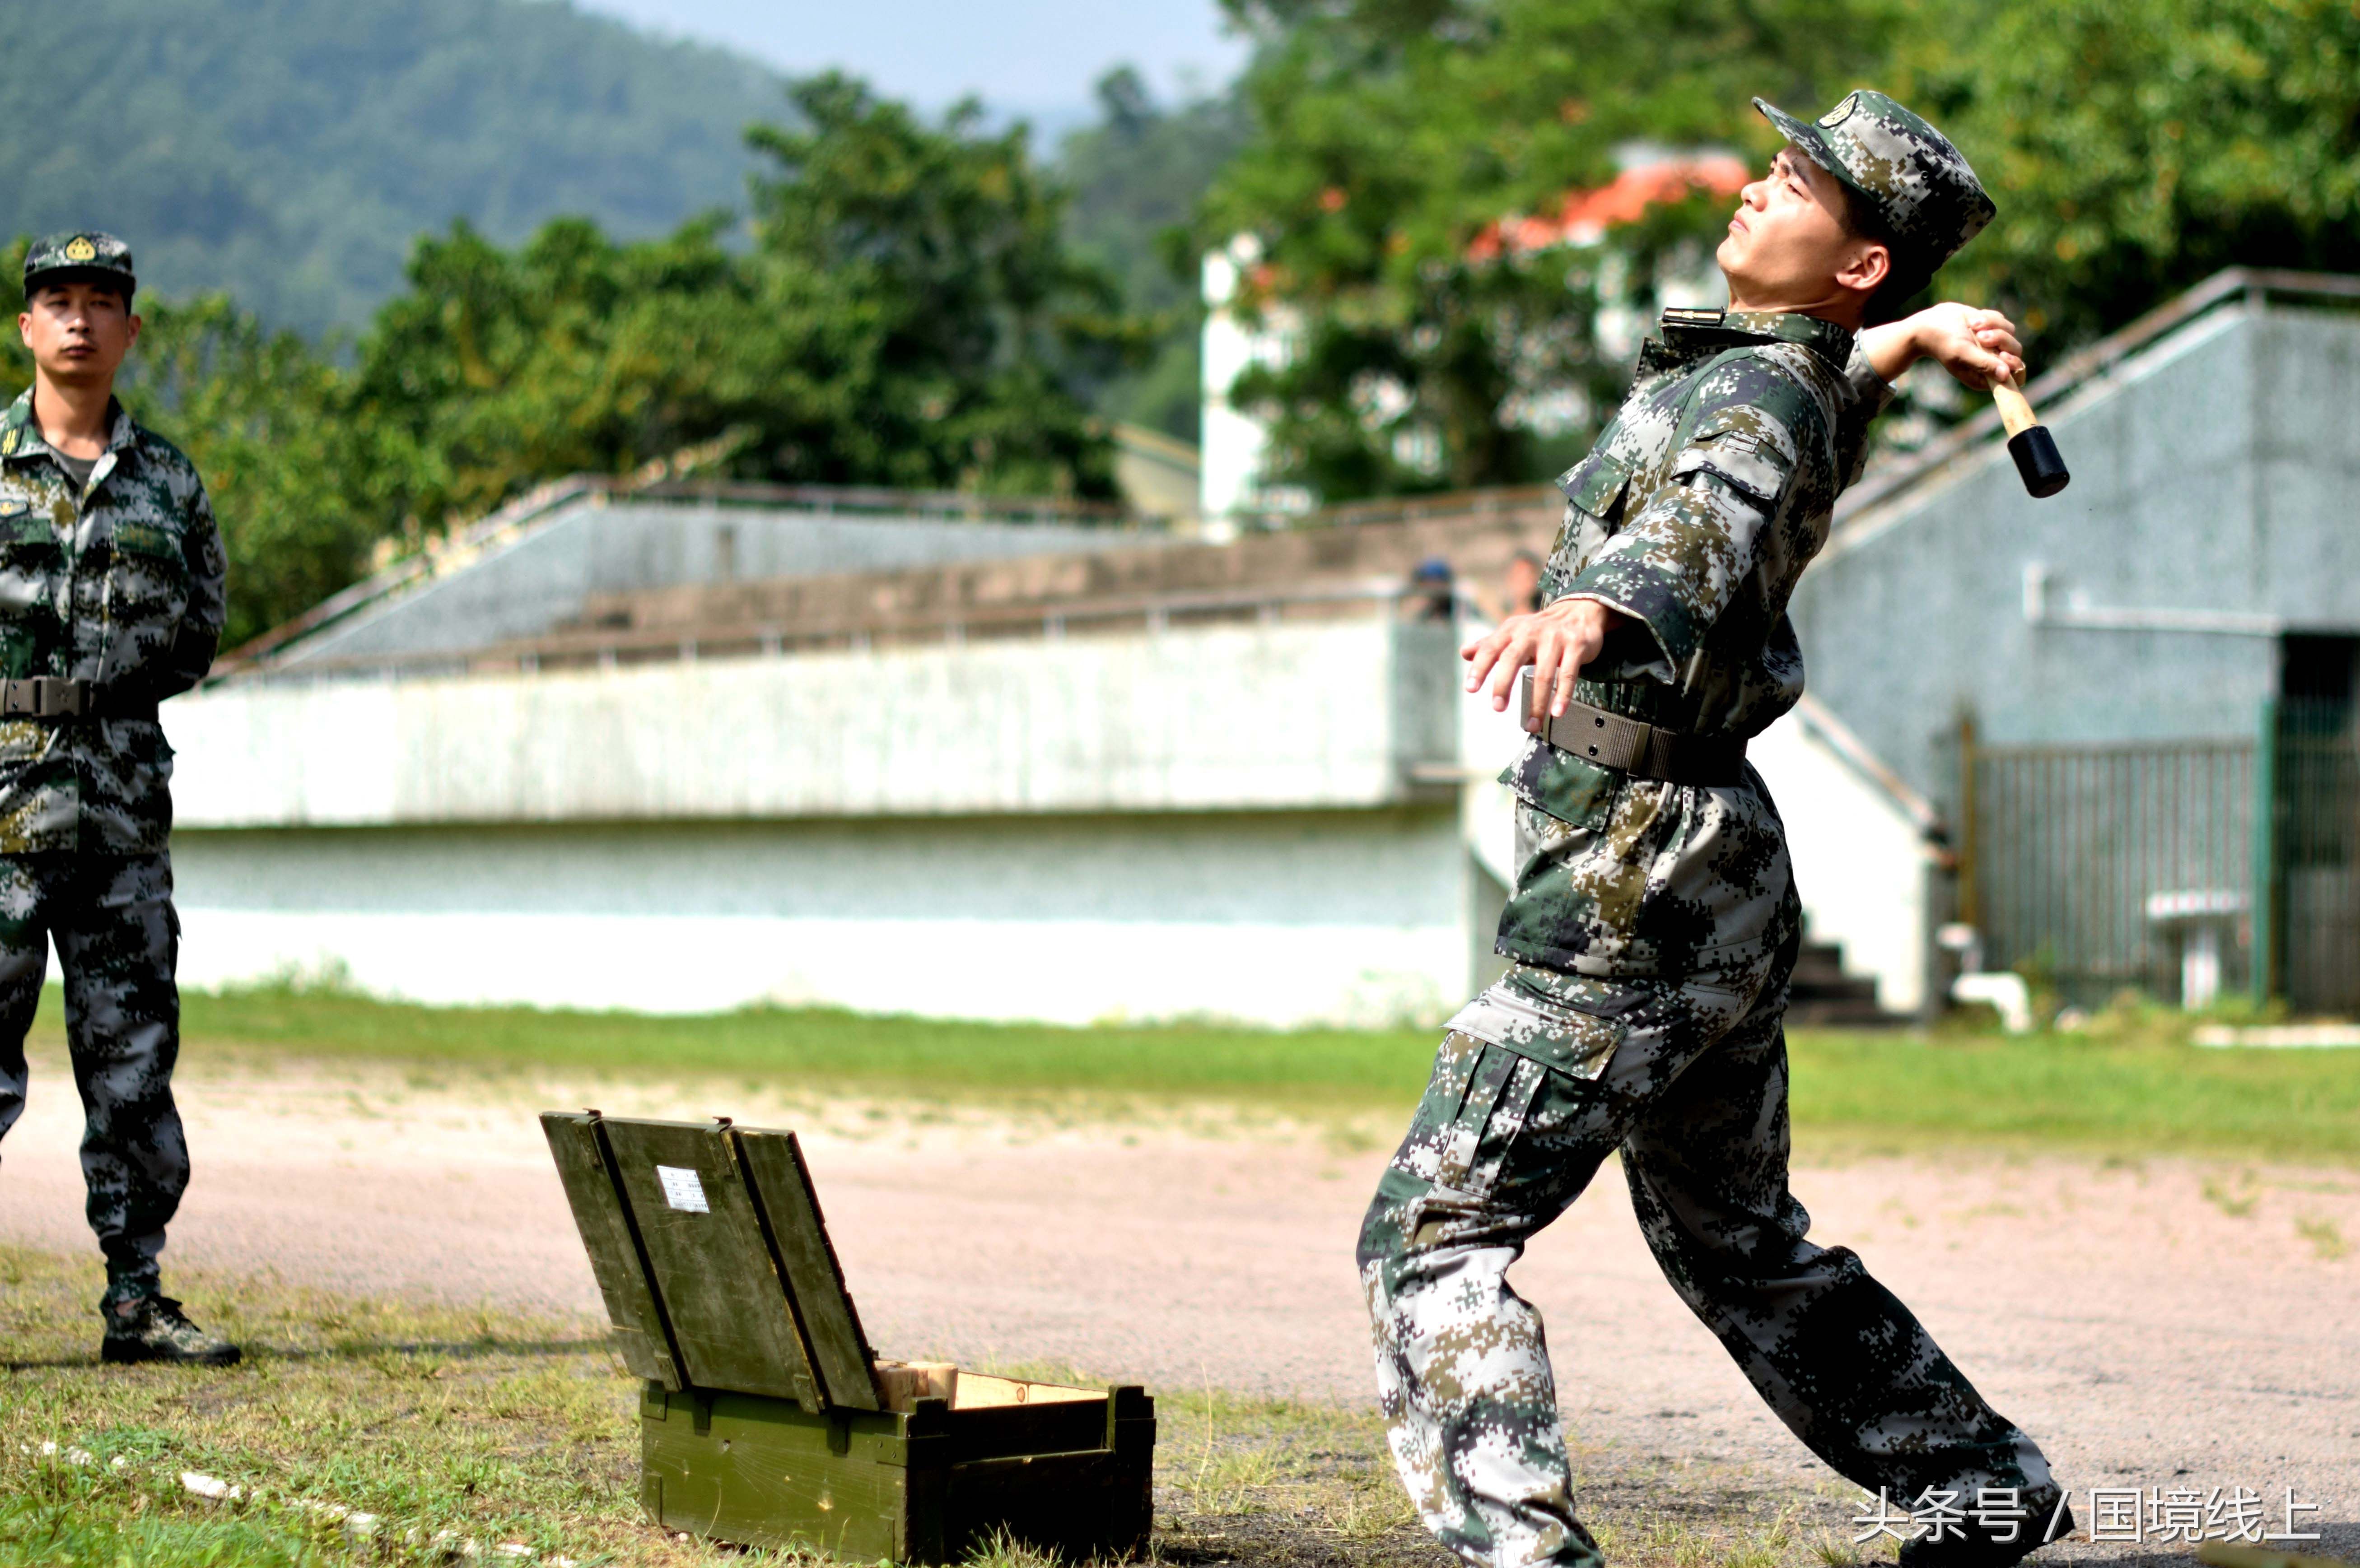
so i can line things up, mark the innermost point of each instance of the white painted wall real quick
(1233, 821)
(1233, 445)
(1325, 714)
(1276, 919)
(1862, 862)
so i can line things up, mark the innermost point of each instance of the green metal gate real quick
(2092, 865)
(2312, 934)
(2079, 852)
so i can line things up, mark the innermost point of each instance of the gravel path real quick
(2159, 1323)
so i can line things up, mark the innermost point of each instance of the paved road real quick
(2148, 1336)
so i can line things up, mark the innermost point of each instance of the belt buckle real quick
(55, 696)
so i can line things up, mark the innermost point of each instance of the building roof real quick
(1583, 217)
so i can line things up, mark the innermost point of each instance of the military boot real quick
(150, 1326)
(1973, 1549)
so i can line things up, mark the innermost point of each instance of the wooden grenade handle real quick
(2014, 413)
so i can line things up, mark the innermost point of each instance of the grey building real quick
(2132, 701)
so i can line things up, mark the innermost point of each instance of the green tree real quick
(498, 369)
(1136, 178)
(264, 416)
(2136, 146)
(1391, 134)
(947, 324)
(907, 315)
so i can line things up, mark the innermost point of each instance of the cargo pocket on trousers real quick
(1478, 1137)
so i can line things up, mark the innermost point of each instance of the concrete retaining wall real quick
(1324, 715)
(1277, 918)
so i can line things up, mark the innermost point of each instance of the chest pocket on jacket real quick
(148, 581)
(1597, 487)
(30, 562)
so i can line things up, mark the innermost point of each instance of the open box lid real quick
(708, 1245)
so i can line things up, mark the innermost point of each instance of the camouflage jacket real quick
(118, 582)
(1694, 514)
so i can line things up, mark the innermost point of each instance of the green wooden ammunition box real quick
(765, 1417)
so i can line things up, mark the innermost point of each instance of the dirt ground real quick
(2159, 1324)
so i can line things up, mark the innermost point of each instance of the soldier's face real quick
(1787, 248)
(79, 333)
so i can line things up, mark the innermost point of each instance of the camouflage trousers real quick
(1688, 1083)
(118, 943)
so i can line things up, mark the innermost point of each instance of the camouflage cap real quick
(1917, 181)
(82, 256)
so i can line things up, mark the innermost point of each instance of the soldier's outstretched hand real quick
(1557, 640)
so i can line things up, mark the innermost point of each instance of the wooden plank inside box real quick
(767, 1420)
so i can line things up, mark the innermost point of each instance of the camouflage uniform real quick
(1653, 929)
(118, 582)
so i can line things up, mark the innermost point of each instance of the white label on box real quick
(683, 1191)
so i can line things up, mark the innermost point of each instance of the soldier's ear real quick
(1870, 267)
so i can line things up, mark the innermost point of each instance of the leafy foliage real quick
(288, 151)
(1135, 179)
(2136, 147)
(571, 354)
(2133, 146)
(907, 314)
(945, 328)
(1392, 135)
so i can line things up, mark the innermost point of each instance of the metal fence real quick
(2095, 867)
(2312, 938)
(2092, 864)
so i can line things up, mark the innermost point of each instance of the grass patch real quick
(2068, 1090)
(1363, 1067)
(462, 1433)
(2137, 1091)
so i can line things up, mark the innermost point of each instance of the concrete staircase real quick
(1822, 995)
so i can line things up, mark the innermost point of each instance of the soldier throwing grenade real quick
(1654, 923)
(110, 600)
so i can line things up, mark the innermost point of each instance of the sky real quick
(1033, 57)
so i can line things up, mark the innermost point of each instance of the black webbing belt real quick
(1640, 750)
(54, 697)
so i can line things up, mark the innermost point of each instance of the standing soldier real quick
(110, 601)
(1654, 922)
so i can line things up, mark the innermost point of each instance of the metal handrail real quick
(1468, 503)
(2252, 285)
(872, 498)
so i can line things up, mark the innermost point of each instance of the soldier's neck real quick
(1844, 307)
(72, 416)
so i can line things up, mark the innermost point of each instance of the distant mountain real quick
(290, 150)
